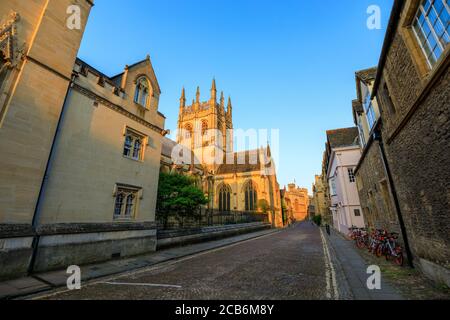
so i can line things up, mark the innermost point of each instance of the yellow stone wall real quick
(32, 97)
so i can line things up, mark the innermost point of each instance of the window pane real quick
(127, 146)
(427, 5)
(438, 5)
(129, 207)
(137, 149)
(118, 205)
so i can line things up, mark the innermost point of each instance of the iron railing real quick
(211, 218)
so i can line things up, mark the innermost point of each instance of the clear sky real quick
(287, 64)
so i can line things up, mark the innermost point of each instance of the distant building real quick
(298, 201)
(319, 198)
(311, 208)
(239, 181)
(344, 151)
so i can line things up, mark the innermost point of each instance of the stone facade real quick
(298, 202)
(38, 52)
(80, 150)
(413, 94)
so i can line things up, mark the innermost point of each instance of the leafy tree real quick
(179, 197)
(317, 220)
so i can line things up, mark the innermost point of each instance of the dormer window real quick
(142, 92)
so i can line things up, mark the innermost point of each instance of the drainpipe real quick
(38, 209)
(378, 137)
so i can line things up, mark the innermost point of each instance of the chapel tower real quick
(206, 127)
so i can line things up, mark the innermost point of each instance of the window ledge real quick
(123, 219)
(135, 160)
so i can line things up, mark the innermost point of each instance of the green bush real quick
(317, 220)
(178, 196)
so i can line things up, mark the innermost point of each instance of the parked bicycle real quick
(390, 249)
(378, 242)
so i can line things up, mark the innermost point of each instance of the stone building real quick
(233, 181)
(298, 201)
(411, 140)
(373, 187)
(321, 206)
(80, 150)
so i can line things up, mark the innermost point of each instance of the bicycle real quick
(393, 250)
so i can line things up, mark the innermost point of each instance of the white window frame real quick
(369, 111)
(424, 43)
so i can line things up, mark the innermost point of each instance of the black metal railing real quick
(211, 218)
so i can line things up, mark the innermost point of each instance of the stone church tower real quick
(206, 128)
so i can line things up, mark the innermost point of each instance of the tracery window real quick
(204, 127)
(125, 202)
(224, 198)
(250, 196)
(133, 145)
(188, 131)
(142, 92)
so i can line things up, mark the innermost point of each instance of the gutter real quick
(38, 209)
(378, 137)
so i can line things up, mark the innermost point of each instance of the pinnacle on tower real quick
(198, 95)
(183, 99)
(213, 92)
(222, 100)
(229, 106)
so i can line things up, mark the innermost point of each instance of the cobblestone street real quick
(285, 265)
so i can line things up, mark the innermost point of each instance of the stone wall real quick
(417, 140)
(374, 193)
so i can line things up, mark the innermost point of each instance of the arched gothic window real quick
(142, 92)
(204, 127)
(224, 198)
(125, 202)
(251, 197)
(188, 131)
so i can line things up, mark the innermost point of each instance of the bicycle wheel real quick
(399, 259)
(360, 243)
(380, 250)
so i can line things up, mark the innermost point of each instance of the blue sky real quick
(287, 64)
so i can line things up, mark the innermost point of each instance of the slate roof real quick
(167, 148)
(342, 137)
(246, 166)
(367, 74)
